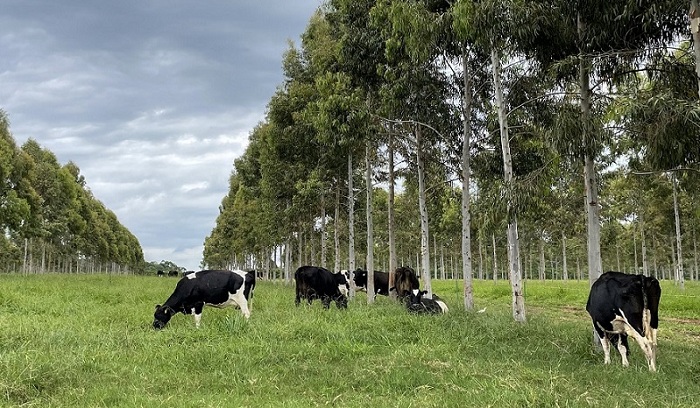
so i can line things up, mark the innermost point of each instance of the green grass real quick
(86, 340)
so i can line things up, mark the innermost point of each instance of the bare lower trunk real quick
(645, 261)
(495, 260)
(336, 235)
(370, 225)
(565, 272)
(518, 303)
(390, 212)
(323, 230)
(424, 238)
(351, 227)
(680, 275)
(695, 31)
(466, 175)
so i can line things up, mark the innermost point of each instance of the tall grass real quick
(86, 340)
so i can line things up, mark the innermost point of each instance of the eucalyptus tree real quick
(599, 41)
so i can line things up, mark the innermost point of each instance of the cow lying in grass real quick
(416, 303)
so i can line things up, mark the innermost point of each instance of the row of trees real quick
(498, 119)
(50, 220)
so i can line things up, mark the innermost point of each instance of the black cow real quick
(416, 303)
(160, 273)
(313, 282)
(217, 288)
(173, 273)
(624, 305)
(405, 282)
(381, 281)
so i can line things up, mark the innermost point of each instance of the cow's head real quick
(414, 300)
(360, 278)
(162, 316)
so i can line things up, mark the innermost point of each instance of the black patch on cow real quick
(314, 282)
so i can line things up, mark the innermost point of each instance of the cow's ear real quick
(157, 307)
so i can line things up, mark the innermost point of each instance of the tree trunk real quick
(424, 237)
(680, 275)
(565, 272)
(495, 260)
(351, 228)
(323, 230)
(336, 235)
(466, 178)
(481, 258)
(645, 262)
(390, 212)
(695, 31)
(513, 244)
(695, 255)
(543, 273)
(370, 225)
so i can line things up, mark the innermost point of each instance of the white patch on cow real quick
(191, 275)
(605, 343)
(197, 319)
(235, 300)
(343, 290)
(443, 306)
(415, 292)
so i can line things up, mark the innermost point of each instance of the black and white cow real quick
(405, 282)
(173, 274)
(313, 282)
(381, 281)
(217, 288)
(624, 305)
(160, 273)
(416, 303)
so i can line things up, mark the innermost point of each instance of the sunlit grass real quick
(86, 340)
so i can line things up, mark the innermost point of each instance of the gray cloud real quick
(153, 100)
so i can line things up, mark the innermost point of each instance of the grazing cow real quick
(381, 281)
(416, 303)
(160, 273)
(217, 288)
(624, 305)
(405, 282)
(173, 273)
(313, 282)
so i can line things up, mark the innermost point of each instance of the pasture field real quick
(87, 341)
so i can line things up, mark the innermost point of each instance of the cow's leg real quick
(605, 343)
(622, 349)
(326, 300)
(197, 313)
(241, 301)
(648, 347)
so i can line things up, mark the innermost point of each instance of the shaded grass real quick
(86, 340)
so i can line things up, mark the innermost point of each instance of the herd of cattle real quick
(620, 305)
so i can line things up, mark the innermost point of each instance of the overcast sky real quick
(152, 99)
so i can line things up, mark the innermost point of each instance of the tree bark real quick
(466, 178)
(336, 235)
(680, 275)
(390, 212)
(351, 228)
(694, 15)
(565, 272)
(370, 225)
(645, 261)
(513, 244)
(424, 237)
(323, 230)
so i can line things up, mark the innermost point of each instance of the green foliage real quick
(87, 340)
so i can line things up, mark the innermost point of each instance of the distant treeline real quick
(50, 219)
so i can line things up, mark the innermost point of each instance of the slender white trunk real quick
(695, 31)
(542, 265)
(390, 212)
(634, 242)
(565, 272)
(466, 176)
(495, 260)
(336, 235)
(695, 256)
(680, 275)
(370, 225)
(351, 227)
(323, 230)
(645, 261)
(424, 243)
(513, 244)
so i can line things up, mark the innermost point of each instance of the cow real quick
(313, 282)
(160, 273)
(173, 274)
(405, 282)
(622, 305)
(416, 303)
(381, 281)
(217, 288)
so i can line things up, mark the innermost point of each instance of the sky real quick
(152, 99)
